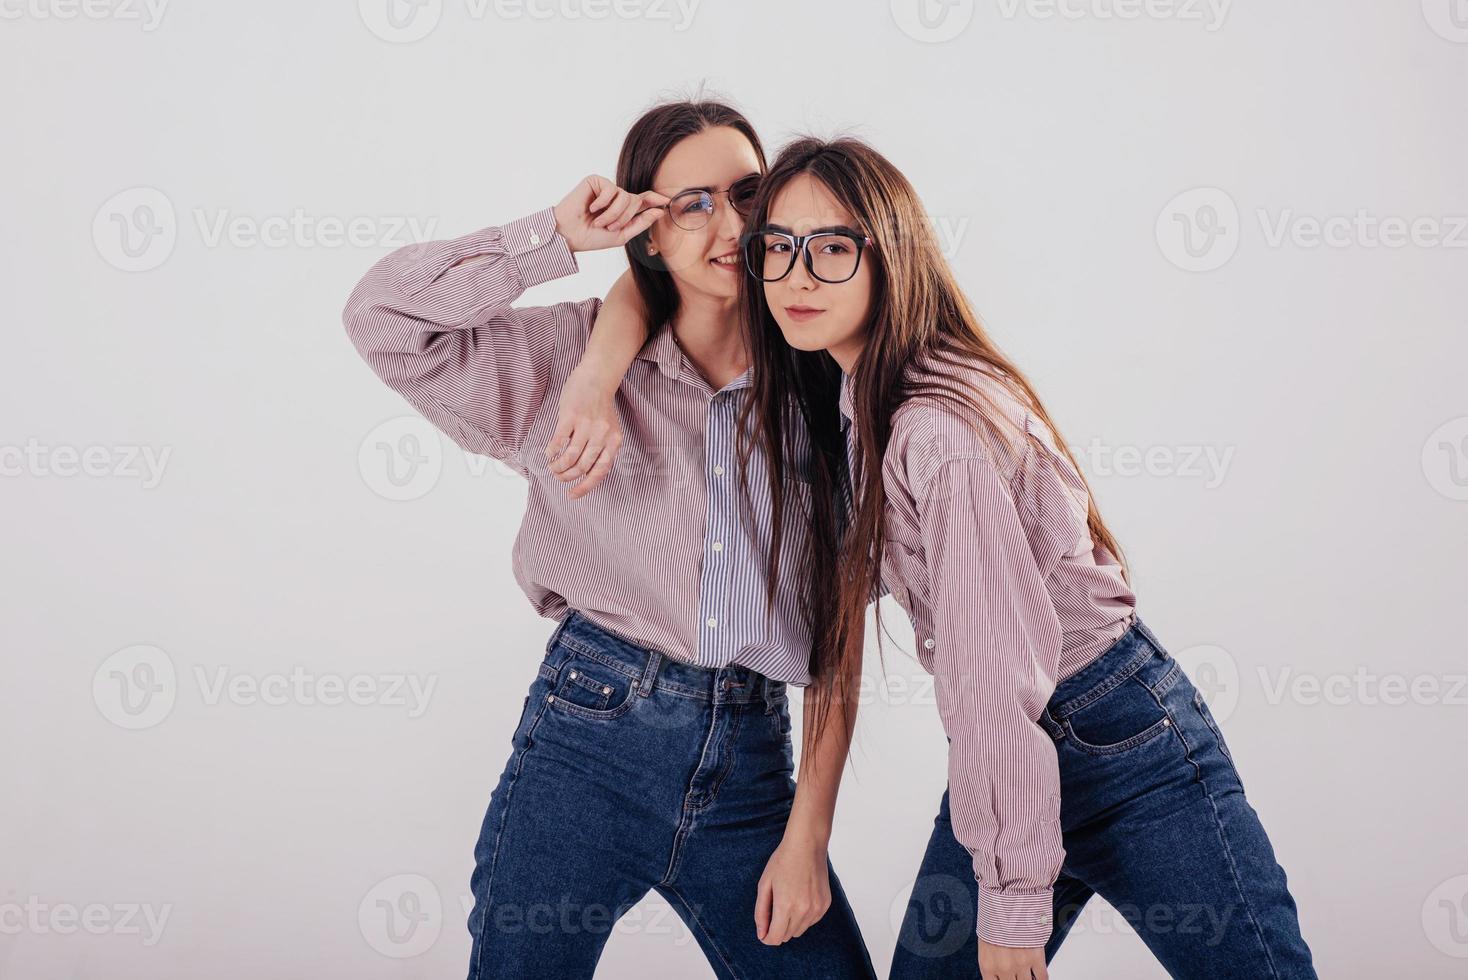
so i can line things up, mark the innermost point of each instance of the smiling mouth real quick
(727, 261)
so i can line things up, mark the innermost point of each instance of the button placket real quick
(714, 581)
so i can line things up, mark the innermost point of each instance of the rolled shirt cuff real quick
(1019, 919)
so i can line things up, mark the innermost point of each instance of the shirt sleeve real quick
(996, 648)
(443, 335)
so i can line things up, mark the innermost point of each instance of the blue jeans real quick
(630, 771)
(1154, 821)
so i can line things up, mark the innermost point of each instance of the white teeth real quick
(727, 260)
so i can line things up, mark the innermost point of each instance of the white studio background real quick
(262, 646)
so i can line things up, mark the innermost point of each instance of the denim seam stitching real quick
(736, 722)
(1104, 687)
(499, 834)
(713, 943)
(687, 813)
(672, 687)
(1227, 849)
(1136, 741)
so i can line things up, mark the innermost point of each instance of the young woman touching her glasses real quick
(1081, 759)
(653, 750)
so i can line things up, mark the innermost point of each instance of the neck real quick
(847, 354)
(707, 329)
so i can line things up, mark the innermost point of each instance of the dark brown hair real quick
(648, 143)
(918, 311)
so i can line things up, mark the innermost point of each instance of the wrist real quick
(598, 372)
(808, 832)
(562, 227)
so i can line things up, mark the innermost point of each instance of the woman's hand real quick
(794, 891)
(599, 214)
(1011, 962)
(587, 432)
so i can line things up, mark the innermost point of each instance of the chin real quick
(802, 341)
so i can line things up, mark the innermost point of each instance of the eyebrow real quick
(709, 190)
(845, 229)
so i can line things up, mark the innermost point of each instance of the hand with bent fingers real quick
(794, 892)
(1011, 962)
(599, 214)
(587, 433)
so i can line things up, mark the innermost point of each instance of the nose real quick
(800, 277)
(731, 222)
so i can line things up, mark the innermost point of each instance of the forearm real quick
(1004, 792)
(617, 335)
(823, 764)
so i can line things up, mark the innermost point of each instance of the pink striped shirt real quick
(989, 553)
(663, 552)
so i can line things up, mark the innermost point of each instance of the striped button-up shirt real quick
(988, 551)
(663, 552)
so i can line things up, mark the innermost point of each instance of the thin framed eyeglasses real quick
(692, 209)
(831, 255)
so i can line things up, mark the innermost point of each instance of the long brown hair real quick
(646, 145)
(918, 311)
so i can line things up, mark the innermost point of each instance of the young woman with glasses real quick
(1081, 759)
(653, 751)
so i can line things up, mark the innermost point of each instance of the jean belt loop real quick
(560, 628)
(1051, 726)
(767, 690)
(649, 673)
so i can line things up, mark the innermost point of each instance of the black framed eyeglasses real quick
(831, 256)
(692, 209)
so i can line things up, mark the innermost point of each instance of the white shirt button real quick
(718, 546)
(928, 643)
(718, 471)
(534, 238)
(713, 623)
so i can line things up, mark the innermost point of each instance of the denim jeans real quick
(1154, 820)
(628, 772)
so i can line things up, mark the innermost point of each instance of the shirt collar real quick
(663, 350)
(845, 400)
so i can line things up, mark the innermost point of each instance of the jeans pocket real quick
(1124, 718)
(591, 689)
(1201, 706)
